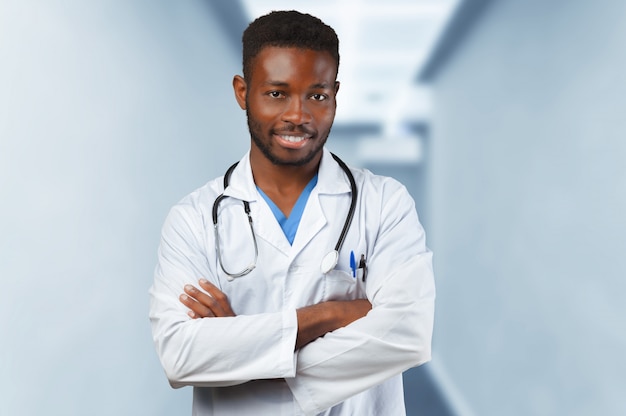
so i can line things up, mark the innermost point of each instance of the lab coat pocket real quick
(340, 285)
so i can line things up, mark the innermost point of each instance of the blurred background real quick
(505, 119)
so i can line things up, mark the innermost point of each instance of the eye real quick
(319, 97)
(275, 94)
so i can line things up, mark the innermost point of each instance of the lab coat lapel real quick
(330, 180)
(312, 221)
(266, 227)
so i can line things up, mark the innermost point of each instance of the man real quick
(258, 317)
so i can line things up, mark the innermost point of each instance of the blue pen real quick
(353, 264)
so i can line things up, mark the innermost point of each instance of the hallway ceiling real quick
(383, 45)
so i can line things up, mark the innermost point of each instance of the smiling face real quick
(290, 103)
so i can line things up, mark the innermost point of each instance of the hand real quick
(213, 304)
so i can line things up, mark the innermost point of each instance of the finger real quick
(218, 295)
(206, 300)
(196, 309)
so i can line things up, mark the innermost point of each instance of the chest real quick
(290, 276)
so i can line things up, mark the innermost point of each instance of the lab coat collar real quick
(241, 185)
(331, 179)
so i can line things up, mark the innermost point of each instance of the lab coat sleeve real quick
(211, 351)
(394, 336)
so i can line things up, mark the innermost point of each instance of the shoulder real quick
(383, 188)
(202, 196)
(196, 206)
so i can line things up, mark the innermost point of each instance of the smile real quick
(293, 139)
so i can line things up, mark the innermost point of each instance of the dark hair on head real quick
(289, 29)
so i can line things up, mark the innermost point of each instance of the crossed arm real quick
(349, 355)
(313, 321)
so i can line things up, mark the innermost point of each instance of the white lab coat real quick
(246, 365)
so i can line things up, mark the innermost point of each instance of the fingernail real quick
(189, 288)
(191, 314)
(183, 297)
(203, 281)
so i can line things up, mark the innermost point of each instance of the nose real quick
(297, 112)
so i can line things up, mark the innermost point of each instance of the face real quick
(290, 104)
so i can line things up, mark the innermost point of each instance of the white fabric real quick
(246, 365)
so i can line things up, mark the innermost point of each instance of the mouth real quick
(292, 141)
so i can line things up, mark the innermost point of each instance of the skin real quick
(292, 92)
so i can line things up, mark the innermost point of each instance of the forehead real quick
(290, 65)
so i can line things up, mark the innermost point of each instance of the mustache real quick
(286, 128)
(292, 128)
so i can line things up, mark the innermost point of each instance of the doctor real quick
(257, 316)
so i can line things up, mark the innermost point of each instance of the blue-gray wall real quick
(528, 211)
(110, 111)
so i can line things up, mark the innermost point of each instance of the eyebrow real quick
(317, 86)
(321, 86)
(276, 83)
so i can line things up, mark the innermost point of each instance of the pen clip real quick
(363, 266)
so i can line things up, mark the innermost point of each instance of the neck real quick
(283, 184)
(281, 178)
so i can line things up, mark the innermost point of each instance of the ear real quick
(336, 87)
(240, 87)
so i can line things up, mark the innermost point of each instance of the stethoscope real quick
(329, 261)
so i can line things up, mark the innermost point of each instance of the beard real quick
(265, 146)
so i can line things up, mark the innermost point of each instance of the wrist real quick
(314, 321)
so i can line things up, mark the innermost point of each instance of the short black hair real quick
(288, 29)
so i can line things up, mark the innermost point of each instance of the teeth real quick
(292, 139)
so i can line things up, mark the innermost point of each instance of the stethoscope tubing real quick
(328, 262)
(353, 192)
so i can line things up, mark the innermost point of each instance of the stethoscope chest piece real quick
(329, 261)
